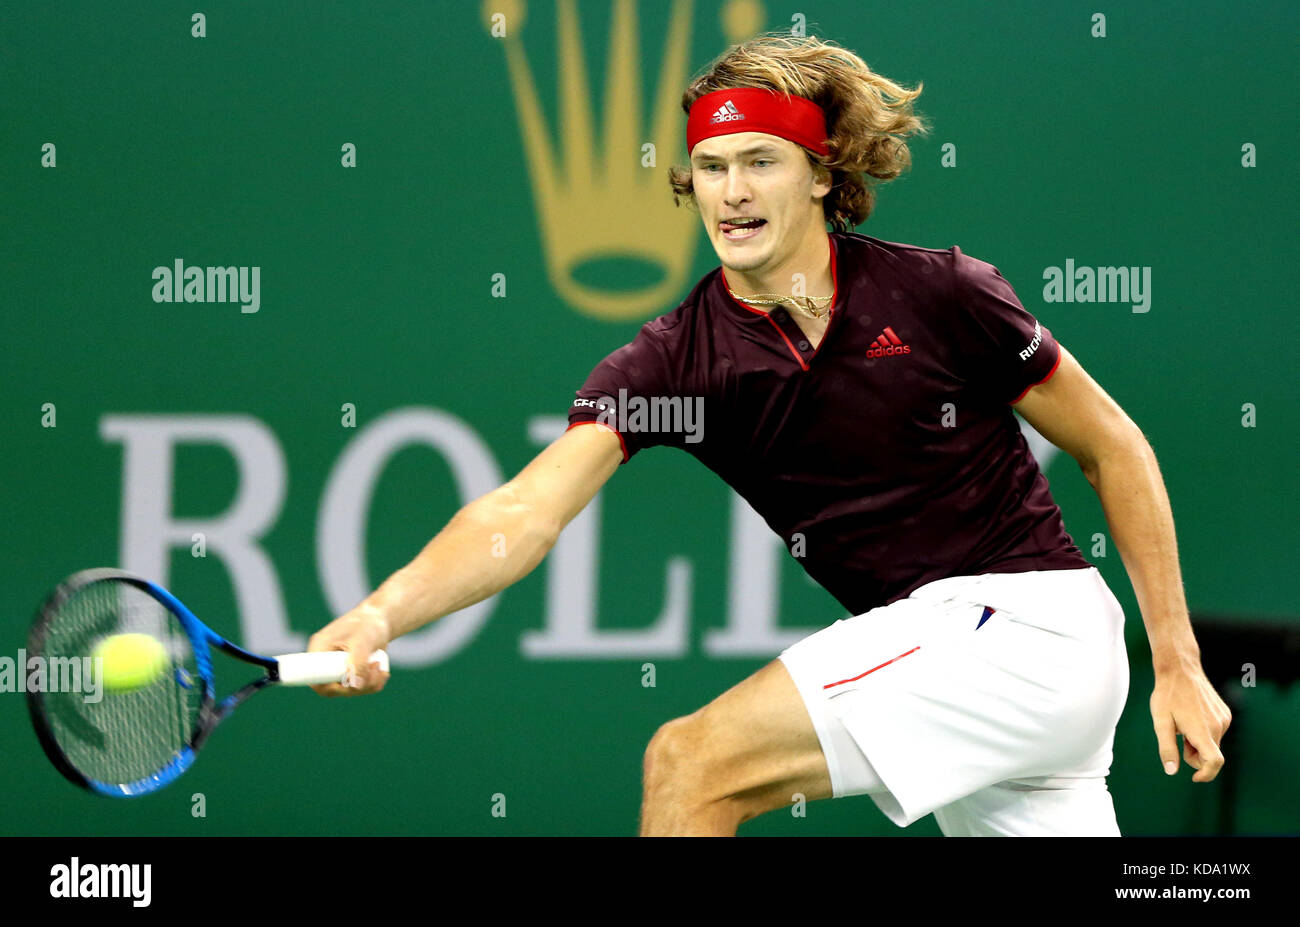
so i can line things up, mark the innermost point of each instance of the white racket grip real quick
(317, 669)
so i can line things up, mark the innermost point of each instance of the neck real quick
(811, 259)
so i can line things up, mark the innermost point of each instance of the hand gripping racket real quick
(137, 740)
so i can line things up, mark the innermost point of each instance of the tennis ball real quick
(131, 661)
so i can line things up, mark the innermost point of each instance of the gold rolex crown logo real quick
(603, 198)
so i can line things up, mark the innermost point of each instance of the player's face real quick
(753, 174)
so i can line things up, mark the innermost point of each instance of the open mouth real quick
(740, 229)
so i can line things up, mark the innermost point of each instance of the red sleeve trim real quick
(626, 455)
(1042, 381)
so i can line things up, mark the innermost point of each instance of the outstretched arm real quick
(489, 544)
(1076, 415)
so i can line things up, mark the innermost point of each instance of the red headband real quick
(756, 109)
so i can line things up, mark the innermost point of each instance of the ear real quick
(822, 182)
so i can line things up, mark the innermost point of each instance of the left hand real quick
(1185, 703)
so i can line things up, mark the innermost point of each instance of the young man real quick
(858, 394)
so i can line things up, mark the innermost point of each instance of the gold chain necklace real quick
(811, 309)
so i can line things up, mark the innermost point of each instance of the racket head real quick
(127, 743)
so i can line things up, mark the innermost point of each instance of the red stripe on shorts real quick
(870, 671)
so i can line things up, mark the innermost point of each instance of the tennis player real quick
(859, 394)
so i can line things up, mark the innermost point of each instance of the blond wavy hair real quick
(867, 116)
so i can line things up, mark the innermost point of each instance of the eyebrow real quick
(751, 150)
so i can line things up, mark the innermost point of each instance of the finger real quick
(376, 676)
(1207, 774)
(341, 689)
(332, 690)
(1210, 770)
(364, 676)
(1208, 760)
(361, 678)
(351, 682)
(354, 681)
(1167, 741)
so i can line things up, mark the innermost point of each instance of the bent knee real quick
(689, 758)
(670, 749)
(681, 756)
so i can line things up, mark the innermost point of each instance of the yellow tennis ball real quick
(131, 661)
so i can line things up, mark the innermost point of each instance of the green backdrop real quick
(1161, 138)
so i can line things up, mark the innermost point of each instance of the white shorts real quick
(999, 724)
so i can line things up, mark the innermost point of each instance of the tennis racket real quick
(136, 741)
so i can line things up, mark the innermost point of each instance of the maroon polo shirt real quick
(888, 456)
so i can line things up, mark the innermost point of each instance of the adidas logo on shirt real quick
(727, 112)
(887, 345)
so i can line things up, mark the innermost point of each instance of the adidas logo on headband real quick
(726, 113)
(789, 116)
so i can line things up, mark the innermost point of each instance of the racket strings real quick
(125, 735)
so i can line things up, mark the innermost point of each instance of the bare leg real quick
(748, 751)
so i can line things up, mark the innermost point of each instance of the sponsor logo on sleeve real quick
(1033, 345)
